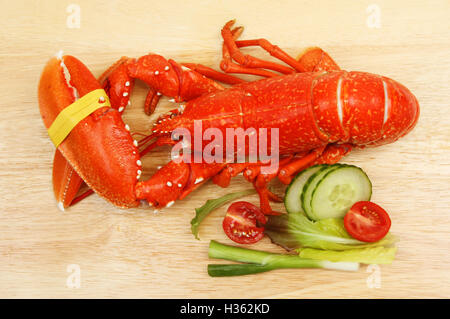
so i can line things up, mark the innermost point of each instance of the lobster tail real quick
(401, 112)
(363, 108)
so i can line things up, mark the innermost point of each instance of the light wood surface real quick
(135, 253)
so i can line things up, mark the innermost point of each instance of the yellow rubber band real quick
(68, 118)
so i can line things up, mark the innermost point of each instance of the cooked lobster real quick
(321, 112)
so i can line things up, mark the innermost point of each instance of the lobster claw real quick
(66, 182)
(174, 181)
(193, 84)
(166, 186)
(157, 73)
(99, 148)
(118, 84)
(200, 173)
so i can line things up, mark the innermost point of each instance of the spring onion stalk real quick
(236, 269)
(211, 204)
(260, 261)
(368, 255)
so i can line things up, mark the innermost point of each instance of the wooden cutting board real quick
(135, 253)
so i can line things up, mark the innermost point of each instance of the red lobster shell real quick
(316, 113)
(311, 110)
(99, 148)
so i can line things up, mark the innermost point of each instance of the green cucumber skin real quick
(305, 187)
(331, 171)
(308, 184)
(286, 205)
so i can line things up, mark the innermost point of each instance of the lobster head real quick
(99, 148)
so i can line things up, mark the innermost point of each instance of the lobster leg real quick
(151, 101)
(227, 64)
(248, 61)
(223, 179)
(330, 154)
(298, 164)
(261, 182)
(252, 172)
(311, 60)
(213, 74)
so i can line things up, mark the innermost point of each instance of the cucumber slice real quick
(338, 190)
(292, 199)
(310, 185)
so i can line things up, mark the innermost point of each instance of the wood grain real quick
(134, 253)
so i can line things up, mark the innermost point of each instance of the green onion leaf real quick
(260, 261)
(368, 255)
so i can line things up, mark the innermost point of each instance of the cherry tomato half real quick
(240, 223)
(366, 221)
